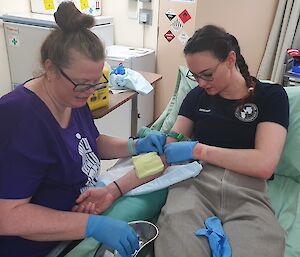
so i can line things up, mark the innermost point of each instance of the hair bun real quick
(70, 19)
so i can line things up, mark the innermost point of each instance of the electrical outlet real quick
(145, 16)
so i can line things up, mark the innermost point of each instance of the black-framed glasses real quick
(81, 87)
(206, 76)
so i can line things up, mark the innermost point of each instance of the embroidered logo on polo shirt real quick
(204, 110)
(247, 112)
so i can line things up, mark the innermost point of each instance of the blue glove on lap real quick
(217, 239)
(179, 151)
(115, 234)
(151, 143)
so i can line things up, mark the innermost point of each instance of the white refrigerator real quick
(25, 33)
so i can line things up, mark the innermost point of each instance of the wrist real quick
(131, 144)
(119, 188)
(90, 224)
(114, 191)
(163, 159)
(200, 151)
(177, 136)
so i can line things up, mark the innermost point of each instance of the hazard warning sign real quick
(169, 36)
(183, 37)
(170, 14)
(176, 25)
(184, 16)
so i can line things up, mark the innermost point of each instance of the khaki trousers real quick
(241, 202)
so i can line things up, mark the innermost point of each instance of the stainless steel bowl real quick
(146, 231)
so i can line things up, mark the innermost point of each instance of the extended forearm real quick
(251, 162)
(131, 180)
(43, 224)
(112, 147)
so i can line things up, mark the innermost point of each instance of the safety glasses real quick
(206, 76)
(80, 87)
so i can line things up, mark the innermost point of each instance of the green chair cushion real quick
(289, 164)
(183, 85)
(284, 194)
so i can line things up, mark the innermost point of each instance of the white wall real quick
(128, 31)
(6, 7)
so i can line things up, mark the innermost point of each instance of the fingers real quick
(75, 208)
(157, 145)
(80, 208)
(122, 252)
(83, 196)
(97, 211)
(90, 208)
(126, 247)
(162, 139)
(163, 159)
(167, 154)
(133, 239)
(129, 245)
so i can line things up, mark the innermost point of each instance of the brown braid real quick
(243, 67)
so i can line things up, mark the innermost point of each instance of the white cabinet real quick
(139, 59)
(116, 123)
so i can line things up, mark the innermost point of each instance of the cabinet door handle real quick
(139, 115)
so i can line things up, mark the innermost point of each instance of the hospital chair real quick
(284, 190)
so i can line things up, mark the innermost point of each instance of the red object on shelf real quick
(293, 52)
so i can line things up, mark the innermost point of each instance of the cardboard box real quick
(92, 7)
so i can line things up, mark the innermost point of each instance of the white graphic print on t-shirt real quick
(90, 162)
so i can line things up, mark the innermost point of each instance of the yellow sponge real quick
(147, 164)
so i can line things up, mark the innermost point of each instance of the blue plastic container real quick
(296, 66)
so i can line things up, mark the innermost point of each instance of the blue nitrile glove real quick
(118, 70)
(115, 234)
(217, 239)
(179, 151)
(151, 143)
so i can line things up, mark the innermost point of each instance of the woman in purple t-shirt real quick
(50, 149)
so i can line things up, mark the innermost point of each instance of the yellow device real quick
(100, 98)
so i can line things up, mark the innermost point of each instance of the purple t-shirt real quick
(41, 160)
